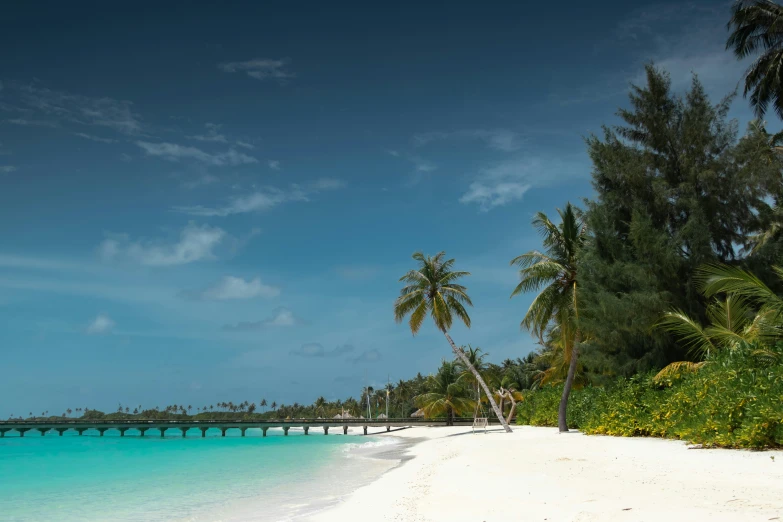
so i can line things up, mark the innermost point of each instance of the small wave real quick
(351, 447)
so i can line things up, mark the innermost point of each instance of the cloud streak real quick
(231, 288)
(175, 153)
(499, 139)
(264, 199)
(508, 181)
(212, 134)
(100, 325)
(281, 318)
(117, 115)
(195, 243)
(260, 69)
(315, 350)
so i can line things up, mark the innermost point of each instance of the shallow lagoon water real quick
(152, 478)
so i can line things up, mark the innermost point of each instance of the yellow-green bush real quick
(735, 400)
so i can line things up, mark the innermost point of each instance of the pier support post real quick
(43, 431)
(22, 431)
(345, 430)
(203, 432)
(61, 430)
(263, 430)
(162, 432)
(223, 432)
(365, 430)
(388, 428)
(306, 430)
(326, 430)
(285, 430)
(101, 431)
(81, 431)
(2, 432)
(142, 431)
(122, 431)
(184, 432)
(243, 430)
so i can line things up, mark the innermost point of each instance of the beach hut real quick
(382, 416)
(418, 413)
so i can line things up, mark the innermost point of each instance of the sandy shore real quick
(535, 474)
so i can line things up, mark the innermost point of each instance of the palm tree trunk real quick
(561, 412)
(461, 356)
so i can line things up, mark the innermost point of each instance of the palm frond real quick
(689, 331)
(676, 369)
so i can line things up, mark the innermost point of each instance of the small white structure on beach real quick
(418, 413)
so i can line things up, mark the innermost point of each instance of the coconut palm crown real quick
(432, 289)
(757, 27)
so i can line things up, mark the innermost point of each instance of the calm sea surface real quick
(149, 479)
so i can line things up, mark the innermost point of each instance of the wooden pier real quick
(141, 426)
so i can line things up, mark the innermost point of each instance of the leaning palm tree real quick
(554, 272)
(432, 289)
(446, 394)
(757, 28)
(476, 358)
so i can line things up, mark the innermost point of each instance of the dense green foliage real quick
(675, 190)
(734, 400)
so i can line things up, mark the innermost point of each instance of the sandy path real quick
(536, 474)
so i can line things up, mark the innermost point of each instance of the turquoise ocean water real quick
(152, 478)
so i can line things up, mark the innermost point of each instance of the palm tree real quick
(432, 289)
(320, 405)
(263, 403)
(274, 405)
(555, 270)
(446, 394)
(402, 392)
(476, 359)
(757, 28)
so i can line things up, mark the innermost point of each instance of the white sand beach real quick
(536, 474)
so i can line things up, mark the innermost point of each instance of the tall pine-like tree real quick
(675, 189)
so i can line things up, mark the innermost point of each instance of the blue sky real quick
(214, 202)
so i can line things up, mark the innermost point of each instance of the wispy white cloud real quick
(245, 145)
(212, 134)
(195, 243)
(260, 69)
(273, 164)
(94, 138)
(507, 181)
(357, 273)
(499, 139)
(422, 165)
(264, 199)
(32, 123)
(316, 350)
(117, 115)
(281, 318)
(100, 325)
(368, 356)
(7, 169)
(174, 152)
(126, 157)
(200, 180)
(230, 288)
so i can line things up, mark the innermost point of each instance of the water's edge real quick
(395, 455)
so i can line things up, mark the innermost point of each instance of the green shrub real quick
(735, 400)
